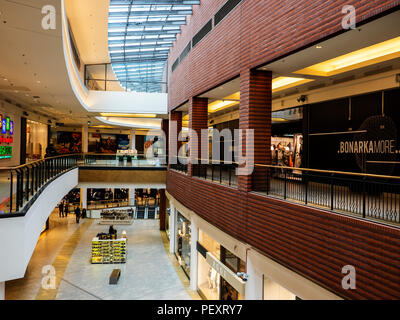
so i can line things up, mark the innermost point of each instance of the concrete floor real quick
(150, 273)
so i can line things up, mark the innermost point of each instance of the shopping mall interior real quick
(199, 150)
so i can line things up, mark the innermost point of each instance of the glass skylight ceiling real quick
(140, 34)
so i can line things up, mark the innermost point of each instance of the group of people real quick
(63, 210)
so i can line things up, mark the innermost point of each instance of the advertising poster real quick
(68, 142)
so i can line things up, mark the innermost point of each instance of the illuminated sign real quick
(7, 126)
(5, 152)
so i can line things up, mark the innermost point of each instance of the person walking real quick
(83, 213)
(61, 210)
(66, 208)
(77, 214)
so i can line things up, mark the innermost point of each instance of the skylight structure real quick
(140, 34)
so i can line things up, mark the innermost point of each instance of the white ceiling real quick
(32, 61)
(89, 23)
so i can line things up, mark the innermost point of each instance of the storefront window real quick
(211, 283)
(184, 247)
(287, 137)
(209, 244)
(236, 265)
(167, 231)
(208, 280)
(36, 140)
(274, 291)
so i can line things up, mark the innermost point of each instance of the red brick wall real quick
(314, 243)
(255, 33)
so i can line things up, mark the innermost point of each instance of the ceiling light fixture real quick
(129, 115)
(221, 104)
(282, 83)
(374, 54)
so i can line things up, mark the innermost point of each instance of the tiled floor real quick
(47, 248)
(148, 274)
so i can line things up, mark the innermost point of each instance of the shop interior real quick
(36, 140)
(212, 286)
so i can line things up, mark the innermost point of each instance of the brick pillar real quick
(165, 129)
(162, 209)
(175, 127)
(255, 113)
(198, 120)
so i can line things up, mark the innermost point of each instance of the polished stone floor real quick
(150, 273)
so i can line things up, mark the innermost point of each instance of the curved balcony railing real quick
(21, 185)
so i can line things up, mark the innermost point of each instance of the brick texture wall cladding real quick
(314, 243)
(254, 33)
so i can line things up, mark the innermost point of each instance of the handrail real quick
(39, 161)
(367, 175)
(65, 155)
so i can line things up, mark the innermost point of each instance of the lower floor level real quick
(219, 267)
(64, 252)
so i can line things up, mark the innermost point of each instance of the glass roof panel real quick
(140, 33)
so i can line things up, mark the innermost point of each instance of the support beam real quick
(175, 128)
(84, 198)
(85, 138)
(162, 211)
(172, 229)
(132, 193)
(132, 144)
(194, 237)
(255, 114)
(165, 130)
(254, 284)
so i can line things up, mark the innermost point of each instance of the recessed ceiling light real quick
(319, 47)
(38, 81)
(364, 57)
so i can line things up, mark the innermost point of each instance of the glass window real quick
(184, 247)
(209, 244)
(274, 291)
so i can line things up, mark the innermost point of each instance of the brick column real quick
(162, 209)
(198, 120)
(165, 129)
(175, 127)
(255, 113)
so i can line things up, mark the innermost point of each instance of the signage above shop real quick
(227, 274)
(7, 130)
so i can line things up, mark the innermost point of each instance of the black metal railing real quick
(364, 195)
(217, 171)
(179, 164)
(122, 160)
(26, 182)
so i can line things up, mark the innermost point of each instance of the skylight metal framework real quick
(140, 35)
